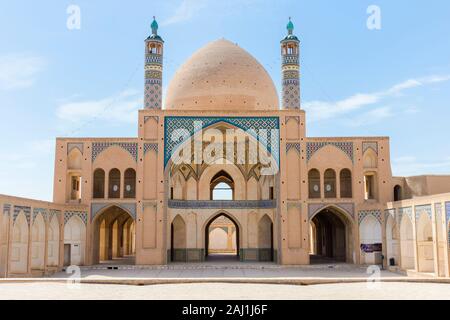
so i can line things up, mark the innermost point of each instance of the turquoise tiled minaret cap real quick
(290, 36)
(290, 26)
(154, 26)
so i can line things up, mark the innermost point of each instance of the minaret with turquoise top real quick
(290, 66)
(154, 45)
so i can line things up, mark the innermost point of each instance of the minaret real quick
(290, 66)
(153, 69)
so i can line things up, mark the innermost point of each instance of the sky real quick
(66, 77)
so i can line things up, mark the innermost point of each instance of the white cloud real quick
(411, 166)
(122, 107)
(321, 110)
(185, 11)
(19, 71)
(371, 116)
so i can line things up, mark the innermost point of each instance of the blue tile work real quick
(25, 210)
(153, 69)
(370, 145)
(150, 146)
(69, 214)
(407, 211)
(387, 213)
(245, 123)
(37, 211)
(313, 147)
(295, 146)
(99, 147)
(222, 204)
(6, 209)
(423, 209)
(365, 213)
(53, 213)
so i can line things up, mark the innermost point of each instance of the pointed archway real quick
(222, 238)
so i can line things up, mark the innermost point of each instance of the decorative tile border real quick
(26, 211)
(314, 208)
(99, 147)
(364, 213)
(146, 118)
(407, 211)
(150, 146)
(313, 147)
(6, 209)
(295, 146)
(52, 213)
(423, 209)
(172, 123)
(222, 204)
(96, 208)
(41, 211)
(447, 220)
(370, 145)
(71, 146)
(69, 214)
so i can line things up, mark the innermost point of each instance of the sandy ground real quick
(223, 291)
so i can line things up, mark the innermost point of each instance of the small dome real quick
(221, 76)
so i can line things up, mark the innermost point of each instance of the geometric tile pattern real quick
(71, 146)
(423, 209)
(313, 147)
(370, 145)
(290, 67)
(295, 146)
(153, 73)
(53, 213)
(96, 208)
(26, 211)
(150, 146)
(99, 147)
(314, 208)
(146, 118)
(7, 209)
(43, 212)
(375, 213)
(81, 214)
(271, 140)
(296, 118)
(407, 211)
(221, 204)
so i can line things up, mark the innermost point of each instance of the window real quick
(75, 193)
(370, 186)
(99, 184)
(114, 184)
(222, 186)
(346, 183)
(130, 184)
(397, 193)
(330, 183)
(271, 194)
(314, 184)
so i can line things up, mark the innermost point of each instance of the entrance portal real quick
(222, 239)
(329, 236)
(114, 237)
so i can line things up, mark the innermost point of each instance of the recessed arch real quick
(370, 240)
(407, 243)
(345, 179)
(236, 233)
(178, 241)
(38, 243)
(314, 184)
(114, 183)
(74, 241)
(53, 242)
(329, 181)
(19, 246)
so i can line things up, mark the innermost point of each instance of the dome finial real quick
(290, 26)
(154, 26)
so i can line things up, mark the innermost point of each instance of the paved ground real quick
(223, 291)
(229, 270)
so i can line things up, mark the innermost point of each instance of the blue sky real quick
(88, 82)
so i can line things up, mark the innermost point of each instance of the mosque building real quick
(223, 169)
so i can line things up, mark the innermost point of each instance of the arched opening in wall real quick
(130, 184)
(222, 239)
(330, 237)
(314, 184)
(398, 193)
(114, 237)
(53, 243)
(407, 244)
(265, 239)
(19, 245)
(425, 244)
(99, 184)
(38, 243)
(330, 183)
(178, 240)
(74, 242)
(370, 186)
(114, 184)
(393, 242)
(346, 183)
(222, 186)
(370, 240)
